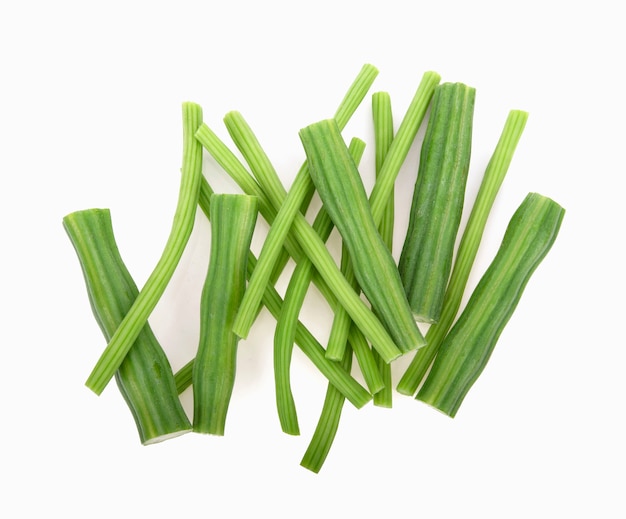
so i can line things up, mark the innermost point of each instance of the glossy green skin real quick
(438, 196)
(145, 376)
(467, 348)
(233, 218)
(341, 189)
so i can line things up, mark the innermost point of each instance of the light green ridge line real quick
(154, 287)
(468, 247)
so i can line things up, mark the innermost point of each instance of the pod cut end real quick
(164, 437)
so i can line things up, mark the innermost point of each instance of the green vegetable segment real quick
(340, 187)
(327, 425)
(383, 137)
(437, 206)
(465, 351)
(233, 218)
(148, 297)
(467, 250)
(145, 376)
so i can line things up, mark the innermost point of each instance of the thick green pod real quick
(233, 218)
(437, 206)
(341, 189)
(145, 376)
(465, 351)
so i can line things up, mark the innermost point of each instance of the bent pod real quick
(151, 292)
(233, 218)
(145, 376)
(465, 351)
(341, 189)
(437, 205)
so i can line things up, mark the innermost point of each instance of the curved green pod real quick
(341, 189)
(466, 349)
(155, 285)
(233, 218)
(438, 196)
(145, 376)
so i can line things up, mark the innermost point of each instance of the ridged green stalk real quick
(437, 206)
(341, 189)
(466, 350)
(383, 137)
(396, 155)
(182, 225)
(145, 376)
(467, 250)
(327, 425)
(233, 218)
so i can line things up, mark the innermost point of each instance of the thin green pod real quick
(438, 196)
(151, 292)
(382, 117)
(145, 376)
(328, 423)
(465, 351)
(341, 189)
(233, 218)
(286, 324)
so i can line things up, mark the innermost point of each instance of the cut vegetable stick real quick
(145, 376)
(466, 350)
(233, 218)
(339, 185)
(468, 247)
(383, 137)
(438, 196)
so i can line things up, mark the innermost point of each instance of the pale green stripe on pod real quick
(341, 189)
(465, 351)
(145, 376)
(438, 196)
(233, 218)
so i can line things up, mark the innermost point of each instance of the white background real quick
(90, 97)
